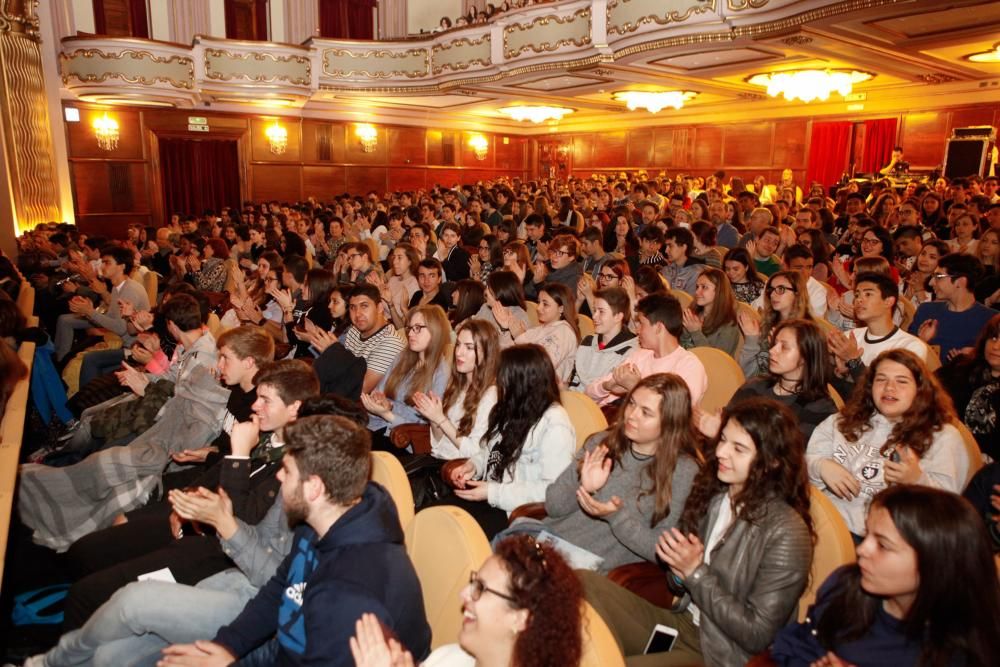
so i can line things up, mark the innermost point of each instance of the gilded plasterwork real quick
(547, 33)
(260, 66)
(129, 65)
(460, 54)
(737, 5)
(625, 16)
(380, 64)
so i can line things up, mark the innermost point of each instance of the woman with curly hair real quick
(459, 418)
(522, 608)
(711, 319)
(529, 441)
(739, 561)
(896, 429)
(923, 592)
(630, 482)
(785, 298)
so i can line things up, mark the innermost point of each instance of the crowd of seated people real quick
(222, 380)
(486, 14)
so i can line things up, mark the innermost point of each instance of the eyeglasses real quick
(780, 290)
(607, 276)
(941, 276)
(415, 328)
(869, 241)
(558, 253)
(508, 252)
(478, 588)
(352, 255)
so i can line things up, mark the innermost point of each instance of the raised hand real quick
(595, 469)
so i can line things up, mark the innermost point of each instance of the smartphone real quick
(661, 640)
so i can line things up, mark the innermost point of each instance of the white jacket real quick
(945, 465)
(547, 450)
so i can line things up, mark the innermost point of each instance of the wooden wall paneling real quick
(407, 145)
(640, 148)
(443, 177)
(663, 147)
(442, 148)
(511, 155)
(112, 226)
(923, 138)
(323, 182)
(791, 143)
(82, 142)
(407, 178)
(610, 149)
(706, 151)
(273, 181)
(971, 117)
(260, 147)
(748, 145)
(583, 150)
(322, 141)
(365, 179)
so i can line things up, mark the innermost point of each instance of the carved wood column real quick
(25, 134)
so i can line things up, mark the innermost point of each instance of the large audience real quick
(216, 387)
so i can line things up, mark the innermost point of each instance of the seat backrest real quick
(834, 545)
(586, 326)
(835, 396)
(373, 246)
(826, 325)
(908, 311)
(11, 438)
(933, 357)
(599, 646)
(445, 544)
(531, 308)
(388, 471)
(151, 281)
(724, 377)
(584, 414)
(972, 449)
(214, 325)
(683, 297)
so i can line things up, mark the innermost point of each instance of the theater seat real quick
(531, 308)
(586, 326)
(725, 377)
(417, 436)
(599, 646)
(445, 544)
(834, 545)
(682, 296)
(584, 414)
(388, 471)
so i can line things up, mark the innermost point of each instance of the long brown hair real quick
(722, 310)
(408, 365)
(931, 409)
(565, 298)
(800, 307)
(678, 437)
(778, 470)
(487, 341)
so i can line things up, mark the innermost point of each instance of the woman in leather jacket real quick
(740, 559)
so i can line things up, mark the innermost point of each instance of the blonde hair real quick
(408, 366)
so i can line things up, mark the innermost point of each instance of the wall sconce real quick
(368, 136)
(277, 138)
(106, 129)
(480, 146)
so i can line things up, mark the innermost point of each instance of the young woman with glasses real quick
(421, 366)
(522, 608)
(785, 298)
(739, 560)
(489, 258)
(614, 272)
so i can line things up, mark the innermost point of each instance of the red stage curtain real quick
(347, 19)
(828, 152)
(880, 138)
(199, 175)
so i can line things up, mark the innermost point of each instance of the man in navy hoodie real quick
(347, 558)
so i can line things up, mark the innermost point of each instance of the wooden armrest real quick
(448, 467)
(762, 659)
(416, 435)
(529, 510)
(647, 580)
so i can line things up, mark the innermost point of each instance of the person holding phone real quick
(898, 408)
(739, 560)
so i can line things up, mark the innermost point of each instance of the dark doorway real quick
(199, 175)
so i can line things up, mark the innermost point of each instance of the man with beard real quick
(347, 558)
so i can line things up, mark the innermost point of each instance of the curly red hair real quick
(542, 583)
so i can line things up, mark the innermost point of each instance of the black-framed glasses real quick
(780, 290)
(607, 276)
(869, 241)
(478, 588)
(558, 253)
(508, 252)
(415, 328)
